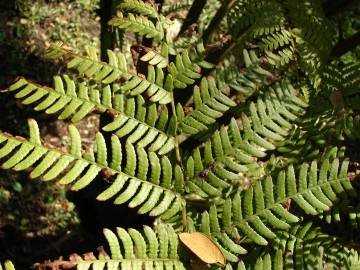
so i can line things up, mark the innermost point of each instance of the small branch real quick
(215, 22)
(220, 53)
(193, 15)
(346, 45)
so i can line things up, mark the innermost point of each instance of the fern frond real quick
(330, 256)
(307, 246)
(229, 157)
(352, 261)
(169, 8)
(144, 126)
(246, 13)
(154, 58)
(258, 211)
(132, 249)
(73, 101)
(251, 80)
(345, 214)
(116, 70)
(141, 123)
(313, 37)
(343, 81)
(262, 23)
(318, 133)
(144, 8)
(210, 104)
(183, 70)
(327, 254)
(157, 86)
(138, 24)
(141, 178)
(287, 31)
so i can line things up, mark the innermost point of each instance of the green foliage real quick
(130, 173)
(256, 210)
(250, 150)
(8, 265)
(288, 32)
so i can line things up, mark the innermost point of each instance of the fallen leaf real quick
(203, 247)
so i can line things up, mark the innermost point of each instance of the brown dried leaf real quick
(203, 247)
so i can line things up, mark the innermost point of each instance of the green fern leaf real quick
(131, 183)
(140, 7)
(231, 153)
(210, 104)
(257, 212)
(133, 249)
(157, 59)
(145, 126)
(138, 24)
(115, 70)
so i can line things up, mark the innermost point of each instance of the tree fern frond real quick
(154, 58)
(314, 132)
(246, 13)
(141, 178)
(144, 8)
(138, 24)
(169, 8)
(313, 44)
(183, 70)
(343, 81)
(258, 212)
(210, 103)
(345, 214)
(230, 155)
(73, 102)
(115, 70)
(144, 127)
(251, 80)
(132, 249)
(328, 256)
(307, 246)
(133, 118)
(352, 261)
(156, 86)
(288, 31)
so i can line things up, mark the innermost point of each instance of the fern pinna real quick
(245, 146)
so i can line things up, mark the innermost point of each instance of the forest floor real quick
(36, 218)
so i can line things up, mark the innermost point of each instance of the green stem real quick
(177, 149)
